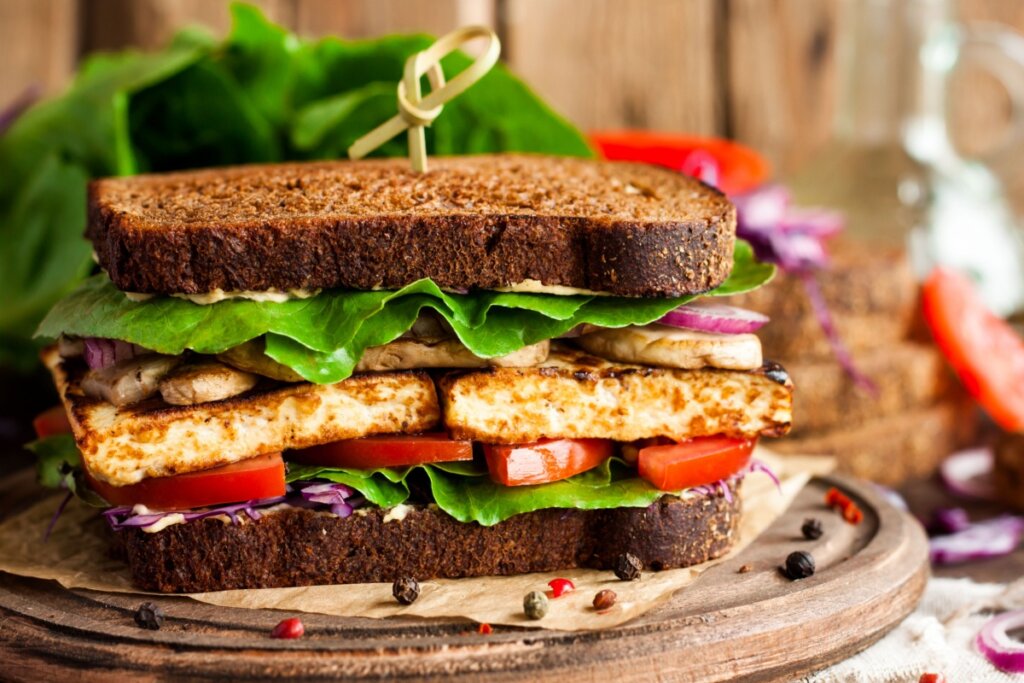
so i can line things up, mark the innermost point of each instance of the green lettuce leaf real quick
(466, 493)
(323, 337)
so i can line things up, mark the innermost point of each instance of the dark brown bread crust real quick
(487, 222)
(300, 547)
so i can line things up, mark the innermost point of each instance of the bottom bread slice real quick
(298, 547)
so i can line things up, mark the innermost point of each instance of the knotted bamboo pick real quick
(414, 111)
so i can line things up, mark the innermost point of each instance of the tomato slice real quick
(983, 349)
(386, 451)
(544, 461)
(52, 421)
(259, 477)
(695, 462)
(739, 168)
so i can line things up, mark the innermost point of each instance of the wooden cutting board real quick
(756, 625)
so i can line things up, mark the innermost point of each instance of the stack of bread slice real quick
(918, 413)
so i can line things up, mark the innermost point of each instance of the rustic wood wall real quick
(762, 71)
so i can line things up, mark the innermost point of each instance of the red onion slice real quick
(708, 316)
(992, 538)
(969, 473)
(995, 642)
(101, 353)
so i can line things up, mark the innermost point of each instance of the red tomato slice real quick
(386, 451)
(740, 168)
(694, 462)
(544, 461)
(52, 421)
(259, 477)
(983, 349)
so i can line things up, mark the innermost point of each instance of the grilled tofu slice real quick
(574, 395)
(153, 439)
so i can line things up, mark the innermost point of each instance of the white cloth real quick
(937, 638)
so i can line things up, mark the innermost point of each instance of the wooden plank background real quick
(761, 71)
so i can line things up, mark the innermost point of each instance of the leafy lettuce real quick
(260, 95)
(465, 492)
(323, 337)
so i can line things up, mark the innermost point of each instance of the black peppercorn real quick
(535, 605)
(812, 529)
(149, 616)
(628, 567)
(406, 590)
(799, 565)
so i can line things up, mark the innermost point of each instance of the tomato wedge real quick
(695, 462)
(983, 349)
(386, 451)
(738, 167)
(52, 421)
(544, 461)
(259, 477)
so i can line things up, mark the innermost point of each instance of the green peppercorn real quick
(812, 529)
(628, 567)
(799, 565)
(535, 604)
(406, 590)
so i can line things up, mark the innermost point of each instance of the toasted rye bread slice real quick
(484, 221)
(153, 439)
(893, 449)
(908, 375)
(574, 395)
(300, 547)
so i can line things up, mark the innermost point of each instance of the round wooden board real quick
(755, 625)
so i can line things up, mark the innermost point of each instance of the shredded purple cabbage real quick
(338, 498)
(722, 486)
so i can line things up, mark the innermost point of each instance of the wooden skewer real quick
(415, 111)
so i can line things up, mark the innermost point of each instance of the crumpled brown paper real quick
(76, 555)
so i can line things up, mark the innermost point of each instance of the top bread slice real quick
(486, 222)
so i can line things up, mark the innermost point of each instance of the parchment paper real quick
(76, 555)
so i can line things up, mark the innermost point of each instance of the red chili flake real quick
(838, 500)
(931, 678)
(560, 587)
(852, 514)
(485, 630)
(289, 628)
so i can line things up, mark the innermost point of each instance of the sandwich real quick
(342, 372)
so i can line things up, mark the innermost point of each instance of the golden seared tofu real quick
(123, 445)
(575, 395)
